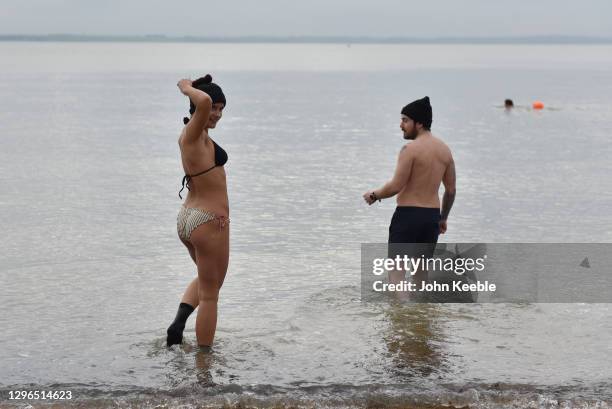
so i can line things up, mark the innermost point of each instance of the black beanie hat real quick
(213, 90)
(419, 111)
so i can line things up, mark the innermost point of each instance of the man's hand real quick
(443, 226)
(369, 197)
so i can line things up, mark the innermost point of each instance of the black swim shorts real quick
(411, 224)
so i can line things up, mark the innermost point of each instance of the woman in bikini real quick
(202, 223)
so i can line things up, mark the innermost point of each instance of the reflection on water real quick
(414, 339)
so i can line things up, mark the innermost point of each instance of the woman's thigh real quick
(191, 250)
(211, 245)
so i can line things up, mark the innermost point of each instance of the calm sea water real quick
(92, 271)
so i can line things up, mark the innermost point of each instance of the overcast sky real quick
(405, 18)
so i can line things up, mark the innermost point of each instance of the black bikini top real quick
(220, 160)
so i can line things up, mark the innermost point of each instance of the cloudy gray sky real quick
(406, 18)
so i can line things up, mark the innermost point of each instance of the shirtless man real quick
(421, 167)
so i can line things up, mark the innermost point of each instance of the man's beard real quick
(411, 135)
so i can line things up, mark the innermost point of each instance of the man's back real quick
(430, 160)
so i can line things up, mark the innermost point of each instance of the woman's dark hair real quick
(213, 90)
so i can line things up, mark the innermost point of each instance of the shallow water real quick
(92, 271)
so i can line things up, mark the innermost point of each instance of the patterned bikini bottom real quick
(189, 218)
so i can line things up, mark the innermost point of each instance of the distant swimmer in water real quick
(203, 220)
(535, 106)
(421, 167)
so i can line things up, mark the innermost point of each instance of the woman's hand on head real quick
(183, 85)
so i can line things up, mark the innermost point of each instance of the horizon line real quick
(528, 39)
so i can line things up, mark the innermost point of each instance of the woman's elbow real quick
(203, 100)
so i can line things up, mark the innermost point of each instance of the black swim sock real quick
(175, 330)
